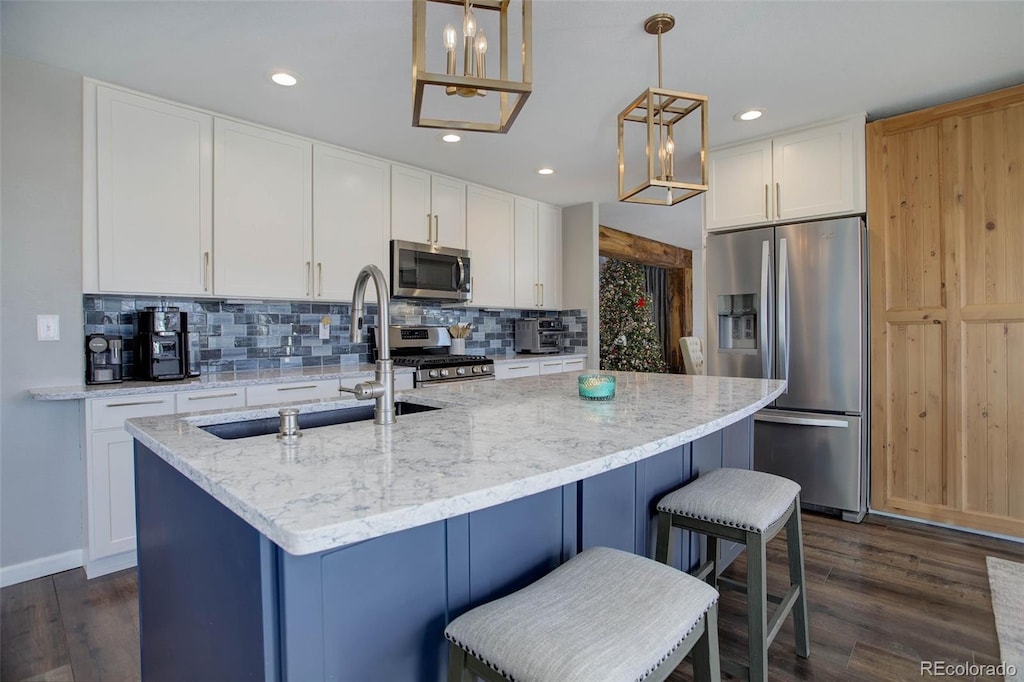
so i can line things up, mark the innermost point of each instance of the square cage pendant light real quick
(659, 111)
(469, 80)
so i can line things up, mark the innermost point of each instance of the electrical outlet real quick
(325, 328)
(47, 327)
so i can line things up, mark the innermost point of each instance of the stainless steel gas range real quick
(426, 349)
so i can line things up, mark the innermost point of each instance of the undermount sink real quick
(307, 420)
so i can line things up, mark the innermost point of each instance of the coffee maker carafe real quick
(161, 344)
(103, 359)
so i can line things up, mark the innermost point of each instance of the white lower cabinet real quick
(551, 366)
(574, 364)
(269, 394)
(532, 368)
(198, 401)
(110, 479)
(512, 370)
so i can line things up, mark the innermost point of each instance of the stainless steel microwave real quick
(429, 271)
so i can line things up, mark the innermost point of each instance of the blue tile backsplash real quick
(273, 337)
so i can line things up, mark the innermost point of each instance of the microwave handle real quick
(462, 274)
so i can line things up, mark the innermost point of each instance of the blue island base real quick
(218, 600)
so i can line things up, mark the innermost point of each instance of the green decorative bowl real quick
(596, 386)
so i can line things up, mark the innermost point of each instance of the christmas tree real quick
(629, 339)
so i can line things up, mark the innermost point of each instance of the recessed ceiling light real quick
(451, 137)
(749, 115)
(546, 171)
(284, 78)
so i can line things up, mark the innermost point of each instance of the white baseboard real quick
(109, 564)
(927, 522)
(37, 568)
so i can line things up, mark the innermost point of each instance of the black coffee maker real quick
(103, 359)
(161, 344)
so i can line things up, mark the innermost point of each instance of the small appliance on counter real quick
(161, 345)
(103, 359)
(542, 335)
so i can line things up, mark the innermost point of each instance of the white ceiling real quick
(803, 62)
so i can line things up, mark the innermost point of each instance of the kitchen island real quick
(344, 555)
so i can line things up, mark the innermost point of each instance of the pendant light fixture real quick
(660, 110)
(469, 80)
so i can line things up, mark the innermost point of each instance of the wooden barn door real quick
(946, 224)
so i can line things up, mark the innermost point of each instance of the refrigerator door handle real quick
(764, 337)
(801, 421)
(783, 307)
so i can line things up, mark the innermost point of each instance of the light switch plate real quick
(47, 327)
(325, 328)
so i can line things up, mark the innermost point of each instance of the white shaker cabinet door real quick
(549, 256)
(740, 186)
(448, 204)
(819, 171)
(351, 220)
(154, 187)
(262, 213)
(527, 283)
(490, 233)
(111, 471)
(411, 217)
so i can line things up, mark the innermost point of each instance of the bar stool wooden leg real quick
(757, 606)
(457, 670)
(706, 666)
(795, 545)
(712, 549)
(664, 540)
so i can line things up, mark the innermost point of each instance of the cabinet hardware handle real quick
(437, 231)
(309, 274)
(430, 232)
(472, 288)
(520, 367)
(320, 279)
(778, 200)
(211, 397)
(536, 295)
(206, 271)
(134, 403)
(767, 216)
(295, 388)
(551, 364)
(542, 294)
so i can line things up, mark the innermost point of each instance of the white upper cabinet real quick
(429, 209)
(263, 213)
(351, 219)
(549, 256)
(739, 179)
(538, 256)
(153, 231)
(490, 237)
(809, 173)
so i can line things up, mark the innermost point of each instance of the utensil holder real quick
(458, 347)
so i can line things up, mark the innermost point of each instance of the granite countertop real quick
(204, 382)
(492, 442)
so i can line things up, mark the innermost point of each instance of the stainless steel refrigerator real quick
(789, 302)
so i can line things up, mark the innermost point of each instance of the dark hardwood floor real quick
(883, 596)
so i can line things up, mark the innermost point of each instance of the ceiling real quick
(802, 62)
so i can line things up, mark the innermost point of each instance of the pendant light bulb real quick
(449, 37)
(469, 22)
(480, 46)
(480, 43)
(670, 146)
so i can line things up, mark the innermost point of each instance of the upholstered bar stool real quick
(749, 507)
(603, 615)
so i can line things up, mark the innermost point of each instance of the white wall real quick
(41, 470)
(580, 271)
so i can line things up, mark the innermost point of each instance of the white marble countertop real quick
(492, 442)
(132, 387)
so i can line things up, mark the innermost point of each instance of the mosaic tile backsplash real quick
(273, 337)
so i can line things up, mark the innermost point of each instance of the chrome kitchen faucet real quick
(382, 388)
